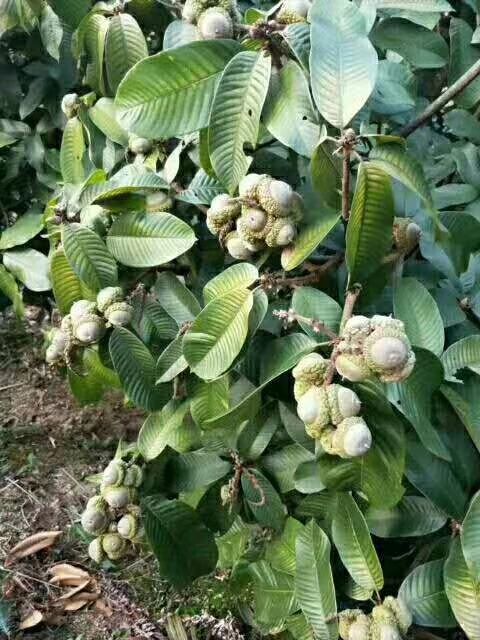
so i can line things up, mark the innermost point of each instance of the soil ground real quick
(49, 445)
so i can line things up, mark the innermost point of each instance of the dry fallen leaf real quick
(64, 569)
(76, 604)
(75, 590)
(33, 618)
(103, 607)
(32, 544)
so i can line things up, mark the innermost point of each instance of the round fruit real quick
(95, 550)
(116, 497)
(81, 308)
(159, 201)
(236, 247)
(275, 196)
(114, 546)
(108, 296)
(113, 474)
(119, 314)
(127, 526)
(352, 367)
(215, 23)
(89, 329)
(357, 438)
(70, 104)
(94, 521)
(140, 146)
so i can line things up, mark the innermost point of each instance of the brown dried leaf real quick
(72, 592)
(75, 604)
(33, 618)
(32, 544)
(64, 569)
(103, 607)
(67, 581)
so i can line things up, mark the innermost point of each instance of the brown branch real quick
(457, 87)
(317, 325)
(279, 280)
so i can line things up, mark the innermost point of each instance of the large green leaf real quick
(135, 366)
(262, 500)
(171, 362)
(72, 152)
(159, 429)
(317, 305)
(149, 239)
(369, 231)
(412, 516)
(208, 398)
(415, 306)
(309, 237)
(9, 288)
(460, 355)
(95, 27)
(280, 552)
(179, 100)
(465, 401)
(235, 115)
(24, 229)
(195, 470)
(418, 45)
(66, 285)
(103, 114)
(176, 299)
(125, 45)
(283, 355)
(462, 591)
(353, 542)
(401, 165)
(343, 62)
(314, 582)
(470, 536)
(326, 171)
(424, 594)
(463, 55)
(29, 266)
(274, 594)
(184, 547)
(240, 275)
(218, 334)
(289, 114)
(89, 257)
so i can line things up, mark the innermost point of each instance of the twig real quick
(348, 141)
(318, 326)
(317, 272)
(457, 87)
(12, 386)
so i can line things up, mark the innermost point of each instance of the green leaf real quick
(9, 287)
(171, 361)
(274, 594)
(207, 398)
(353, 542)
(103, 114)
(24, 229)
(415, 398)
(280, 552)
(176, 299)
(297, 37)
(262, 500)
(462, 354)
(125, 45)
(462, 56)
(89, 257)
(151, 322)
(424, 594)
(95, 28)
(72, 152)
(326, 170)
(184, 547)
(284, 354)
(317, 305)
(470, 537)
(369, 231)
(136, 369)
(130, 180)
(314, 582)
(414, 305)
(343, 62)
(180, 99)
(51, 31)
(30, 267)
(149, 239)
(463, 124)
(465, 401)
(289, 113)
(462, 591)
(235, 115)
(67, 287)
(399, 164)
(413, 516)
(195, 470)
(283, 464)
(309, 237)
(158, 430)
(420, 5)
(419, 46)
(240, 275)
(218, 333)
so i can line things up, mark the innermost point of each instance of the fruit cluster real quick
(265, 215)
(114, 515)
(293, 11)
(330, 412)
(214, 18)
(388, 621)
(406, 234)
(376, 347)
(87, 322)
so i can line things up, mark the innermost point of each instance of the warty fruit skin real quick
(253, 219)
(343, 403)
(222, 210)
(159, 201)
(113, 474)
(309, 371)
(114, 546)
(353, 438)
(313, 410)
(116, 497)
(89, 329)
(300, 7)
(95, 550)
(360, 629)
(133, 476)
(352, 367)
(119, 314)
(127, 526)
(345, 620)
(248, 185)
(139, 146)
(94, 521)
(70, 104)
(244, 225)
(108, 296)
(81, 308)
(282, 233)
(275, 196)
(402, 613)
(215, 23)
(236, 247)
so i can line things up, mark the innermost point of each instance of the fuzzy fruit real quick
(133, 476)
(94, 521)
(343, 403)
(401, 613)
(352, 367)
(95, 550)
(70, 104)
(139, 146)
(127, 526)
(254, 219)
(223, 209)
(248, 185)
(275, 196)
(310, 371)
(108, 296)
(119, 314)
(352, 438)
(236, 247)
(360, 628)
(282, 233)
(82, 308)
(89, 329)
(345, 620)
(114, 546)
(159, 201)
(215, 23)
(116, 497)
(313, 410)
(113, 474)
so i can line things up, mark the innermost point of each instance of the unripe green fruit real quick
(360, 629)
(313, 410)
(113, 474)
(116, 497)
(67, 325)
(133, 476)
(215, 23)
(94, 521)
(357, 327)
(387, 323)
(95, 550)
(248, 185)
(310, 370)
(282, 233)
(114, 546)
(352, 438)
(223, 209)
(96, 502)
(89, 329)
(81, 308)
(406, 234)
(345, 620)
(95, 218)
(127, 526)
(275, 196)
(53, 354)
(108, 296)
(159, 201)
(70, 104)
(254, 219)
(352, 367)
(236, 247)
(119, 314)
(401, 612)
(58, 343)
(388, 353)
(343, 403)
(386, 632)
(140, 146)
